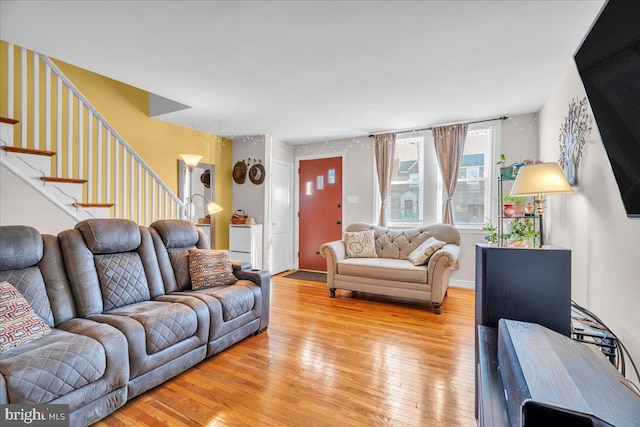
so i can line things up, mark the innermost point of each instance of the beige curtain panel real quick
(385, 150)
(449, 142)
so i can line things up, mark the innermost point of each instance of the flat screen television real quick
(608, 61)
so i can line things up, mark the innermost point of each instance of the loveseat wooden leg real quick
(436, 307)
(332, 292)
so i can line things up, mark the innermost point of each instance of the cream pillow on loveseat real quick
(360, 244)
(422, 253)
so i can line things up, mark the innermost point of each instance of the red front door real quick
(320, 209)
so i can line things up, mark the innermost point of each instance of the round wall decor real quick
(240, 172)
(205, 178)
(256, 173)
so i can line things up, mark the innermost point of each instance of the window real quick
(405, 196)
(471, 201)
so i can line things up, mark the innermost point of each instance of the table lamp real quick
(538, 179)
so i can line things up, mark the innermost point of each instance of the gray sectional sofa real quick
(118, 300)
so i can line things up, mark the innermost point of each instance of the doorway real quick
(281, 250)
(320, 209)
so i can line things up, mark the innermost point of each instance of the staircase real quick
(58, 143)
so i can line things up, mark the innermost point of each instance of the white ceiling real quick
(305, 71)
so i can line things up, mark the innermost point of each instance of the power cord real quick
(620, 351)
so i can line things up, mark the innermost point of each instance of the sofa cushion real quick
(19, 324)
(164, 323)
(235, 300)
(360, 244)
(53, 366)
(110, 235)
(122, 279)
(399, 270)
(176, 233)
(423, 252)
(21, 247)
(209, 268)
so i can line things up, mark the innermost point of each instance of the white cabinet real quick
(245, 244)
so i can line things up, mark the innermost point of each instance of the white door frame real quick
(292, 262)
(296, 217)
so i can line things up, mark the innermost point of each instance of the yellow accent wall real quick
(158, 143)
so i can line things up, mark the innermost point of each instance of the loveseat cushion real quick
(164, 323)
(383, 268)
(52, 366)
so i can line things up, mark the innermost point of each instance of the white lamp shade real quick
(213, 208)
(191, 160)
(540, 178)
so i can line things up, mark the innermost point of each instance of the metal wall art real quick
(573, 137)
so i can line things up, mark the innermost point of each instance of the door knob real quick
(338, 222)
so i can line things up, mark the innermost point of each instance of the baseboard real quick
(464, 284)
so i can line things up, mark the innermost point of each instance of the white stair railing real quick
(86, 145)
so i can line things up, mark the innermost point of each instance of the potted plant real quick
(506, 172)
(492, 237)
(522, 234)
(513, 205)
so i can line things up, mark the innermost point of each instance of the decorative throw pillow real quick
(209, 268)
(360, 244)
(422, 253)
(19, 324)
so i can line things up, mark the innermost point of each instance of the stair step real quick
(93, 205)
(67, 180)
(9, 121)
(10, 149)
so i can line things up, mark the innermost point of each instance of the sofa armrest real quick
(438, 270)
(261, 278)
(240, 265)
(333, 252)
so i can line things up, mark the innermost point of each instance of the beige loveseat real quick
(392, 273)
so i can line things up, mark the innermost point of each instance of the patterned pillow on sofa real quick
(422, 253)
(360, 244)
(209, 268)
(19, 324)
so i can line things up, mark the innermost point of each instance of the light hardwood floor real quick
(355, 360)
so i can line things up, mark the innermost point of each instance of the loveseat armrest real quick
(333, 252)
(261, 278)
(438, 270)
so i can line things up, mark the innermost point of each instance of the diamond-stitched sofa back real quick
(172, 240)
(111, 263)
(398, 244)
(21, 250)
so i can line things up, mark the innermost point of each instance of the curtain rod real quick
(431, 127)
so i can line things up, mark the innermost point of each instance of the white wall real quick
(42, 215)
(592, 223)
(248, 196)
